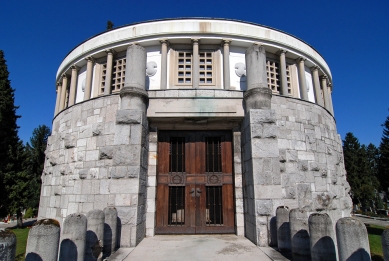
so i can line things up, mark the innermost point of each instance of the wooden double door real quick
(195, 182)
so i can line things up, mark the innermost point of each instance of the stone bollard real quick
(110, 228)
(385, 244)
(73, 238)
(43, 240)
(7, 245)
(321, 235)
(94, 235)
(298, 221)
(353, 242)
(283, 229)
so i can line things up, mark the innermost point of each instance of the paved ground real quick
(373, 221)
(197, 247)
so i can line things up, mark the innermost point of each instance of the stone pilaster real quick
(63, 92)
(164, 46)
(226, 63)
(88, 81)
(316, 85)
(108, 73)
(131, 152)
(284, 82)
(330, 98)
(261, 173)
(73, 85)
(302, 81)
(195, 62)
(57, 102)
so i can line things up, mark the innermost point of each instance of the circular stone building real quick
(194, 126)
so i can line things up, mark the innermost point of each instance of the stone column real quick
(298, 220)
(195, 64)
(108, 72)
(327, 103)
(63, 92)
(283, 229)
(94, 235)
(73, 86)
(322, 236)
(88, 81)
(284, 82)
(302, 81)
(130, 158)
(7, 245)
(316, 85)
(353, 242)
(58, 101)
(226, 63)
(110, 228)
(164, 45)
(43, 240)
(258, 95)
(330, 98)
(73, 238)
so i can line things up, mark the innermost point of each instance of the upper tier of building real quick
(193, 53)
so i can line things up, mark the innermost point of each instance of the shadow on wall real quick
(93, 246)
(360, 254)
(118, 232)
(33, 257)
(68, 250)
(325, 246)
(107, 251)
(273, 232)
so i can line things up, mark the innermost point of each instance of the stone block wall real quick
(94, 159)
(292, 156)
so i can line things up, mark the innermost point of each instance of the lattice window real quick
(288, 80)
(273, 79)
(118, 75)
(206, 68)
(184, 71)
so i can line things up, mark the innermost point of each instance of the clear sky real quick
(352, 36)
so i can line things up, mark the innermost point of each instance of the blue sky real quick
(352, 36)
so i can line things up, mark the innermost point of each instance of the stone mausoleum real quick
(192, 126)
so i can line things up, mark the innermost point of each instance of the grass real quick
(21, 242)
(375, 242)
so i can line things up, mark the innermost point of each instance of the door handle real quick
(198, 192)
(192, 191)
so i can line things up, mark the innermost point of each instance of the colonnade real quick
(66, 96)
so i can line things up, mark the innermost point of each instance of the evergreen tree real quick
(360, 173)
(383, 162)
(35, 160)
(10, 145)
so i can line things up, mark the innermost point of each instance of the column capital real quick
(164, 41)
(74, 67)
(281, 51)
(226, 41)
(259, 44)
(195, 40)
(64, 76)
(89, 59)
(323, 77)
(58, 84)
(110, 50)
(314, 68)
(301, 59)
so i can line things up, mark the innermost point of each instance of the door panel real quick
(195, 190)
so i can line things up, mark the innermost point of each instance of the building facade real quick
(194, 126)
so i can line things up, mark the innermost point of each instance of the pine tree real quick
(360, 173)
(35, 151)
(9, 140)
(383, 162)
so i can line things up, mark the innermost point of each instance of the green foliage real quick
(383, 162)
(109, 25)
(29, 213)
(11, 149)
(361, 166)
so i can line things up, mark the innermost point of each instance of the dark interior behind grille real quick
(214, 210)
(213, 157)
(177, 154)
